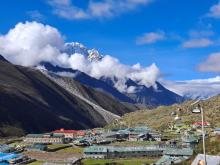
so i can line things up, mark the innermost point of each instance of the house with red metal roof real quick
(199, 124)
(69, 133)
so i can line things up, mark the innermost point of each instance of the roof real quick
(5, 148)
(210, 159)
(69, 131)
(167, 160)
(8, 156)
(189, 138)
(43, 135)
(179, 151)
(104, 149)
(34, 135)
(140, 129)
(37, 146)
(200, 123)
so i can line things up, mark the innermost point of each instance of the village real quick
(174, 145)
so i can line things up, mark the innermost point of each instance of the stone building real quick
(48, 138)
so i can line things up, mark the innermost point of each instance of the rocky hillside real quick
(160, 118)
(33, 102)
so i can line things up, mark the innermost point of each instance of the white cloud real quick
(111, 67)
(198, 88)
(150, 38)
(65, 9)
(211, 64)
(214, 11)
(95, 9)
(30, 43)
(197, 43)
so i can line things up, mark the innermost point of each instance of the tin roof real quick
(167, 160)
(104, 149)
(179, 151)
(69, 131)
(210, 159)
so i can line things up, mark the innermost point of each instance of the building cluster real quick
(168, 153)
(100, 143)
(55, 137)
(9, 155)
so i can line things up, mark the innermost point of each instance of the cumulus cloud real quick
(198, 88)
(211, 64)
(30, 43)
(197, 43)
(214, 11)
(150, 38)
(111, 67)
(95, 9)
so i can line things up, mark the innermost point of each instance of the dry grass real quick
(160, 118)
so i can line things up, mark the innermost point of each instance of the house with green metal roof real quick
(169, 160)
(6, 148)
(125, 152)
(37, 147)
(189, 140)
(178, 152)
(122, 152)
(174, 155)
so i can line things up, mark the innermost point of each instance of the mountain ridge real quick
(29, 100)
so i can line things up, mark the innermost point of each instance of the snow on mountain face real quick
(75, 47)
(94, 55)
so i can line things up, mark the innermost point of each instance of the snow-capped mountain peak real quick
(92, 55)
(75, 47)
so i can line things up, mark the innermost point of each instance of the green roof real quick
(104, 149)
(35, 135)
(168, 160)
(178, 151)
(189, 138)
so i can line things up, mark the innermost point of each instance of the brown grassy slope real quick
(160, 117)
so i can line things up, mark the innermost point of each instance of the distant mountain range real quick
(47, 97)
(141, 94)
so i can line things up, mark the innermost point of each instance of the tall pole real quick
(203, 135)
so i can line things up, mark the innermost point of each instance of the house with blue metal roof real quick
(8, 157)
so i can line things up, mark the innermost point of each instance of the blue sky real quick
(177, 35)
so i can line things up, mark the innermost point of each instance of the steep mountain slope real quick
(147, 95)
(32, 102)
(141, 95)
(91, 96)
(87, 80)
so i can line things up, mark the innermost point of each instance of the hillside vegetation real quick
(160, 118)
